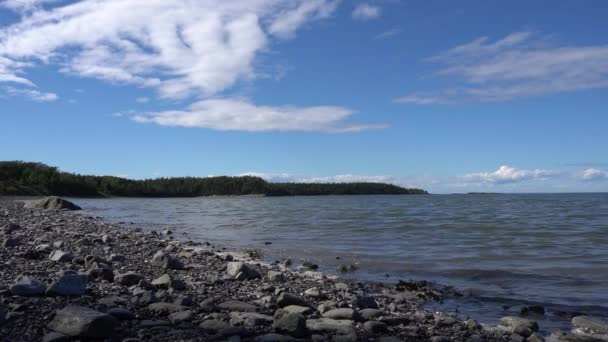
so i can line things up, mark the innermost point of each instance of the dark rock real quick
(27, 287)
(51, 203)
(369, 314)
(128, 279)
(10, 227)
(274, 338)
(364, 302)
(235, 305)
(121, 314)
(327, 325)
(167, 281)
(68, 285)
(286, 299)
(310, 266)
(166, 261)
(249, 319)
(55, 337)
(375, 327)
(532, 309)
(83, 322)
(213, 325)
(290, 323)
(163, 307)
(11, 242)
(182, 316)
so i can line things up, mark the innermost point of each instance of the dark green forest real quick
(19, 178)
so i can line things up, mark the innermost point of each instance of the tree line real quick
(19, 178)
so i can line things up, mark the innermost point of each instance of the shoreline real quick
(195, 291)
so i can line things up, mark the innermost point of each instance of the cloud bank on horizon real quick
(505, 178)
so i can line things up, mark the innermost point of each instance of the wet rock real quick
(235, 305)
(532, 309)
(442, 339)
(79, 321)
(332, 326)
(128, 279)
(28, 287)
(310, 266)
(60, 256)
(375, 327)
(591, 326)
(276, 277)
(51, 203)
(286, 299)
(535, 338)
(364, 302)
(249, 319)
(301, 310)
(55, 337)
(68, 285)
(241, 271)
(290, 323)
(518, 325)
(166, 261)
(163, 307)
(343, 313)
(561, 336)
(369, 314)
(121, 314)
(182, 316)
(274, 338)
(213, 325)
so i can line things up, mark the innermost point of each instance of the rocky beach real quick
(71, 277)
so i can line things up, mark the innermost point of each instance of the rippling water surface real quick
(546, 248)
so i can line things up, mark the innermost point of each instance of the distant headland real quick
(18, 178)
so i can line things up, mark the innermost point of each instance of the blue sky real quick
(447, 96)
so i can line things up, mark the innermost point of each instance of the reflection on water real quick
(548, 248)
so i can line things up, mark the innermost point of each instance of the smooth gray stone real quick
(68, 285)
(236, 268)
(28, 287)
(83, 322)
(290, 323)
(235, 305)
(286, 299)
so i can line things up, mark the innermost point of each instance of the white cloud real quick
(25, 5)
(181, 48)
(366, 12)
(592, 174)
(240, 114)
(345, 178)
(506, 174)
(522, 64)
(142, 99)
(32, 94)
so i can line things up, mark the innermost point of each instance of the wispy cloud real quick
(520, 65)
(241, 114)
(506, 174)
(142, 99)
(32, 94)
(366, 11)
(388, 34)
(181, 48)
